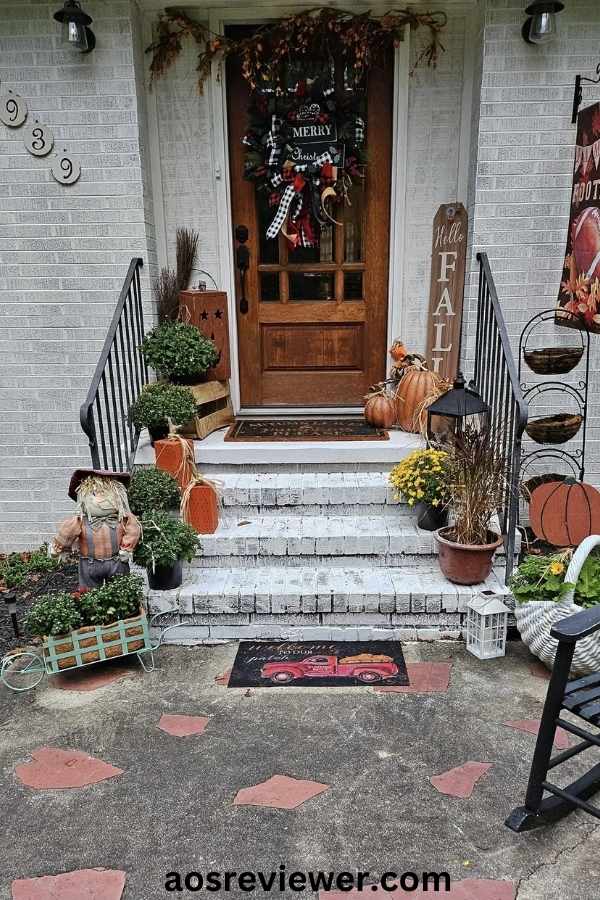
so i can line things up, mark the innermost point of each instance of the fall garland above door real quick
(307, 74)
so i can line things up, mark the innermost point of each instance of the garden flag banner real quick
(579, 296)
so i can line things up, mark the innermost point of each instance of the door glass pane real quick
(311, 286)
(269, 286)
(353, 224)
(352, 285)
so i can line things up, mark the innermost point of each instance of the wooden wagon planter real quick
(86, 646)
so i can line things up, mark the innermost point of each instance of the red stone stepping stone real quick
(424, 677)
(532, 726)
(90, 679)
(182, 726)
(539, 670)
(279, 792)
(460, 781)
(223, 678)
(83, 884)
(52, 768)
(470, 889)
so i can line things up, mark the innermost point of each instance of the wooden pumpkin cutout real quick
(564, 513)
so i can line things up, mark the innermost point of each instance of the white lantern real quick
(487, 618)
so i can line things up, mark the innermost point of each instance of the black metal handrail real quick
(120, 375)
(497, 380)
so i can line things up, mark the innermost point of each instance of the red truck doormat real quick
(318, 664)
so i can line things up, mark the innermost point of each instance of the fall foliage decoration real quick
(361, 40)
(564, 513)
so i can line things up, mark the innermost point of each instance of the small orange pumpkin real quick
(564, 513)
(380, 410)
(415, 386)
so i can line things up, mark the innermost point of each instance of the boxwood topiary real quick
(159, 402)
(179, 351)
(164, 542)
(119, 598)
(152, 489)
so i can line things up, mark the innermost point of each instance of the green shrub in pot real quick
(179, 352)
(119, 598)
(160, 402)
(153, 490)
(165, 543)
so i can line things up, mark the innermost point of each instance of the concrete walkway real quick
(399, 781)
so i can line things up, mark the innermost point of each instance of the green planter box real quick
(95, 643)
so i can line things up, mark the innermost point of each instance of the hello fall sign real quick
(448, 257)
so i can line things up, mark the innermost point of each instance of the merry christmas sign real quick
(579, 295)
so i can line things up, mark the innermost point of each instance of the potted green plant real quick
(165, 543)
(179, 352)
(420, 479)
(476, 483)
(158, 403)
(153, 490)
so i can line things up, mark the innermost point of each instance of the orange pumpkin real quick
(380, 410)
(564, 513)
(415, 386)
(202, 509)
(176, 456)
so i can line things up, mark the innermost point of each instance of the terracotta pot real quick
(202, 511)
(466, 563)
(168, 454)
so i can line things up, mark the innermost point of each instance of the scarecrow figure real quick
(105, 530)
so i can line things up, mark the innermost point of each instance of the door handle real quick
(242, 261)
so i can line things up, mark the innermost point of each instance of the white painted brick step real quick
(307, 589)
(297, 536)
(307, 489)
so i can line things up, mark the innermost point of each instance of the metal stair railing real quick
(119, 377)
(497, 381)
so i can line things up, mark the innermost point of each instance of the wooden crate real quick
(94, 643)
(214, 409)
(207, 310)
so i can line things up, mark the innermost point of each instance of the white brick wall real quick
(525, 153)
(64, 251)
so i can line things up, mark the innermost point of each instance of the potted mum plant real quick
(158, 403)
(476, 482)
(152, 490)
(165, 543)
(421, 480)
(179, 352)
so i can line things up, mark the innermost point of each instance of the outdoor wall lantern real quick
(540, 27)
(76, 31)
(454, 409)
(10, 598)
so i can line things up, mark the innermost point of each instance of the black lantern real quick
(10, 598)
(540, 27)
(455, 408)
(76, 31)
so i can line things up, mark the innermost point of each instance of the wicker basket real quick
(553, 360)
(536, 618)
(554, 429)
(96, 642)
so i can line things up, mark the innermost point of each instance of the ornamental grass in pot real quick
(165, 543)
(476, 484)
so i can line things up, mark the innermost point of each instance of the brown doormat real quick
(305, 430)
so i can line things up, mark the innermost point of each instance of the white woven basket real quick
(536, 618)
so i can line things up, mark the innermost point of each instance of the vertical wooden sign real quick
(444, 320)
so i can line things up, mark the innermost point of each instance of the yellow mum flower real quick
(557, 568)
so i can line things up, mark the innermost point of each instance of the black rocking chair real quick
(580, 697)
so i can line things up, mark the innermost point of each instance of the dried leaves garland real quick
(361, 39)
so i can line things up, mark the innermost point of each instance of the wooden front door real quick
(315, 329)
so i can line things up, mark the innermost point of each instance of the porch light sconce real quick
(456, 408)
(540, 27)
(76, 31)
